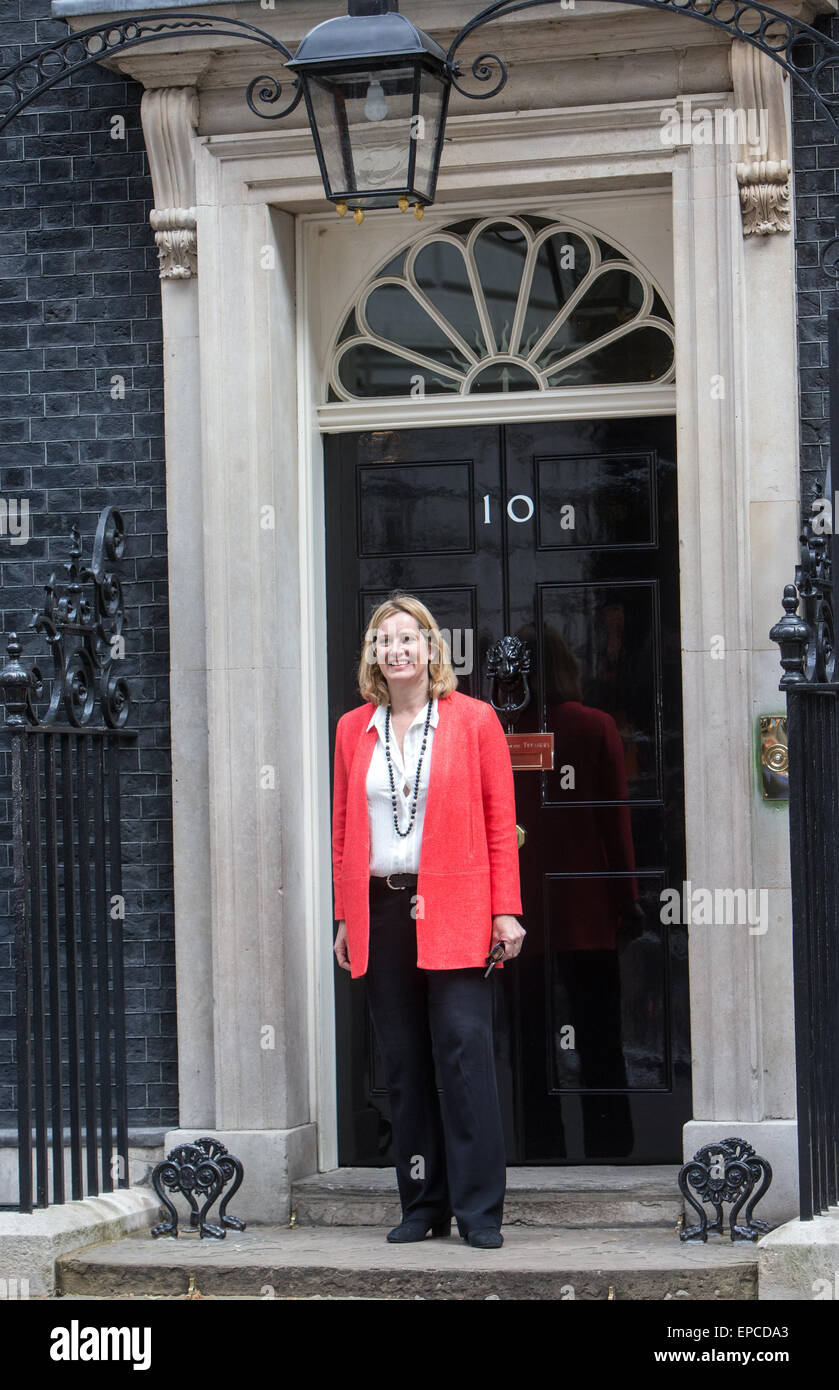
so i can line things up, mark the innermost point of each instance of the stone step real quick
(345, 1263)
(581, 1198)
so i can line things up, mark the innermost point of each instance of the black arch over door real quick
(565, 535)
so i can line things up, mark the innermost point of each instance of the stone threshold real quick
(317, 1262)
(582, 1197)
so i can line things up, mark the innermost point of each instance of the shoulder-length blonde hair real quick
(371, 681)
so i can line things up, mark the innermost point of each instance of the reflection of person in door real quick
(588, 740)
(426, 882)
(594, 908)
(598, 915)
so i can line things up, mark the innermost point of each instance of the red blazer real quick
(469, 867)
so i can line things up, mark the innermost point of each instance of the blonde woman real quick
(426, 882)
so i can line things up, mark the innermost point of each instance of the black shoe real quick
(417, 1230)
(488, 1238)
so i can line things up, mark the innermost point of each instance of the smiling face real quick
(403, 649)
(401, 652)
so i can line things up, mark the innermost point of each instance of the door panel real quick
(564, 535)
(421, 490)
(593, 588)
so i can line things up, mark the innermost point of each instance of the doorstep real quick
(600, 1195)
(318, 1262)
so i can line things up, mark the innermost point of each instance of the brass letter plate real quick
(531, 752)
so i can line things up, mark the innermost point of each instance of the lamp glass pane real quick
(432, 97)
(364, 127)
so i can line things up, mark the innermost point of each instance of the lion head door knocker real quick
(508, 669)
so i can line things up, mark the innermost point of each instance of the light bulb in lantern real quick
(375, 107)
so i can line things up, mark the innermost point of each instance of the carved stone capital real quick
(170, 117)
(764, 197)
(175, 231)
(763, 169)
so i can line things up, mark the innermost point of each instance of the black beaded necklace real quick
(404, 833)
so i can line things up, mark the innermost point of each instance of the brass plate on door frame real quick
(774, 757)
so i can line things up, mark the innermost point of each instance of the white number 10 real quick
(519, 497)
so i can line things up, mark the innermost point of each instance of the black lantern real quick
(377, 93)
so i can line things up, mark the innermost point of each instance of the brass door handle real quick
(521, 835)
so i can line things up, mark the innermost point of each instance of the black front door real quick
(564, 535)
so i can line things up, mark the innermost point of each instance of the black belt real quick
(395, 881)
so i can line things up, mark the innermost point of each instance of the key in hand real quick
(494, 956)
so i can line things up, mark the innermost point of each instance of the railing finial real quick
(85, 636)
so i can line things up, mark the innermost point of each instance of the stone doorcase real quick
(249, 306)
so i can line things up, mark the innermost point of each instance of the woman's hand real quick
(342, 954)
(509, 930)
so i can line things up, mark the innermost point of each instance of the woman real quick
(426, 883)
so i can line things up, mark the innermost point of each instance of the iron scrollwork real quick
(53, 62)
(271, 91)
(85, 636)
(483, 70)
(198, 1170)
(508, 672)
(802, 51)
(726, 1171)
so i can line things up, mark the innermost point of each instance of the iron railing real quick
(68, 904)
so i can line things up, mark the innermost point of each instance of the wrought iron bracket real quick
(726, 1171)
(200, 1170)
(51, 63)
(808, 56)
(84, 634)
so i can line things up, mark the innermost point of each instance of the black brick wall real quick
(816, 161)
(80, 303)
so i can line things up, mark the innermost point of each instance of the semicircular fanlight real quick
(502, 304)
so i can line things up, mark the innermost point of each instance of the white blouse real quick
(391, 853)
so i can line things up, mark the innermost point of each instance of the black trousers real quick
(450, 1157)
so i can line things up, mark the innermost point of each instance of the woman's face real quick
(401, 650)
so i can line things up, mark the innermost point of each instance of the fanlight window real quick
(503, 304)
